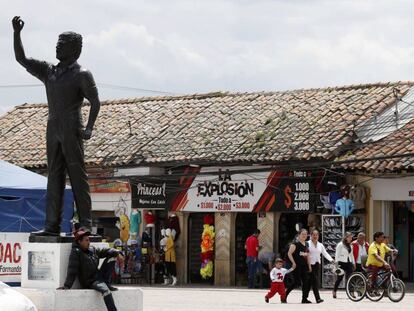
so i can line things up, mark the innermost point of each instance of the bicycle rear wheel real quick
(356, 287)
(396, 290)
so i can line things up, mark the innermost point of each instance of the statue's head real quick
(69, 46)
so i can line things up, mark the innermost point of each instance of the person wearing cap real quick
(84, 262)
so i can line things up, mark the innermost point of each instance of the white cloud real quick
(188, 46)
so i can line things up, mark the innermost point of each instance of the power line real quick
(129, 88)
(103, 85)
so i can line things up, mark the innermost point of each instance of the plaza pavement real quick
(229, 299)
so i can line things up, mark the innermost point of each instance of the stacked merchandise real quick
(354, 224)
(332, 234)
(333, 230)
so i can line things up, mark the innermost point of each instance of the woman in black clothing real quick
(298, 256)
(344, 259)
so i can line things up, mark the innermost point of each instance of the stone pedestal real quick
(126, 299)
(44, 265)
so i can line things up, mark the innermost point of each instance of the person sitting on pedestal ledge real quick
(84, 262)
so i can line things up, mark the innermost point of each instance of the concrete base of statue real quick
(126, 299)
(44, 265)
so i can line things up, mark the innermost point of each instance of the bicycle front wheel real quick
(356, 287)
(375, 294)
(396, 290)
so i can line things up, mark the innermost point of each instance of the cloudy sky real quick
(201, 46)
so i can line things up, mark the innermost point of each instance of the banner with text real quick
(149, 192)
(10, 256)
(226, 190)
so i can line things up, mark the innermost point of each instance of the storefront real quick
(243, 200)
(393, 213)
(237, 200)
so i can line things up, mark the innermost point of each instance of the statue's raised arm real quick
(18, 25)
(35, 67)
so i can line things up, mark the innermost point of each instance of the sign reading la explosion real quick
(226, 192)
(221, 190)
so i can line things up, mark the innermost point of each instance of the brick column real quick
(222, 260)
(266, 225)
(181, 248)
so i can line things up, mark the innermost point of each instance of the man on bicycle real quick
(376, 257)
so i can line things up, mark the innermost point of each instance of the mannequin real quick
(344, 206)
(174, 224)
(135, 220)
(170, 257)
(163, 247)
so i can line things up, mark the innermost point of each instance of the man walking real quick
(360, 250)
(252, 252)
(83, 263)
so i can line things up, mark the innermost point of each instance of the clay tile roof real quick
(399, 143)
(216, 128)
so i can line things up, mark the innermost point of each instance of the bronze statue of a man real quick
(67, 84)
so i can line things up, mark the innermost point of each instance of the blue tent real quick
(23, 200)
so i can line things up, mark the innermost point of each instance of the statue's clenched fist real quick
(18, 24)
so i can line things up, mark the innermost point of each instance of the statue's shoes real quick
(44, 232)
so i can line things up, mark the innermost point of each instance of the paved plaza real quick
(219, 299)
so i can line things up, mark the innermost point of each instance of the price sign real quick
(295, 193)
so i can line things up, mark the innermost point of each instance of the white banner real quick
(393, 189)
(226, 192)
(10, 255)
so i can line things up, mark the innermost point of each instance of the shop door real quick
(404, 238)
(287, 230)
(195, 229)
(246, 223)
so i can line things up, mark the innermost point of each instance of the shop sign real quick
(147, 193)
(108, 186)
(296, 193)
(260, 192)
(11, 256)
(224, 192)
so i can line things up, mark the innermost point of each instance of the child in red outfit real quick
(277, 276)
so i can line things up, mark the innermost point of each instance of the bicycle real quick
(358, 285)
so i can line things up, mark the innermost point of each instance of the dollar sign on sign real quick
(288, 200)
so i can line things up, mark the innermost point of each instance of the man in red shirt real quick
(252, 252)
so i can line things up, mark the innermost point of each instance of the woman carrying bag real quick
(344, 258)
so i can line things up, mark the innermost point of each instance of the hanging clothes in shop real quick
(344, 207)
(149, 218)
(358, 195)
(135, 222)
(334, 196)
(146, 238)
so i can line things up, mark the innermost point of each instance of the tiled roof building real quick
(220, 128)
